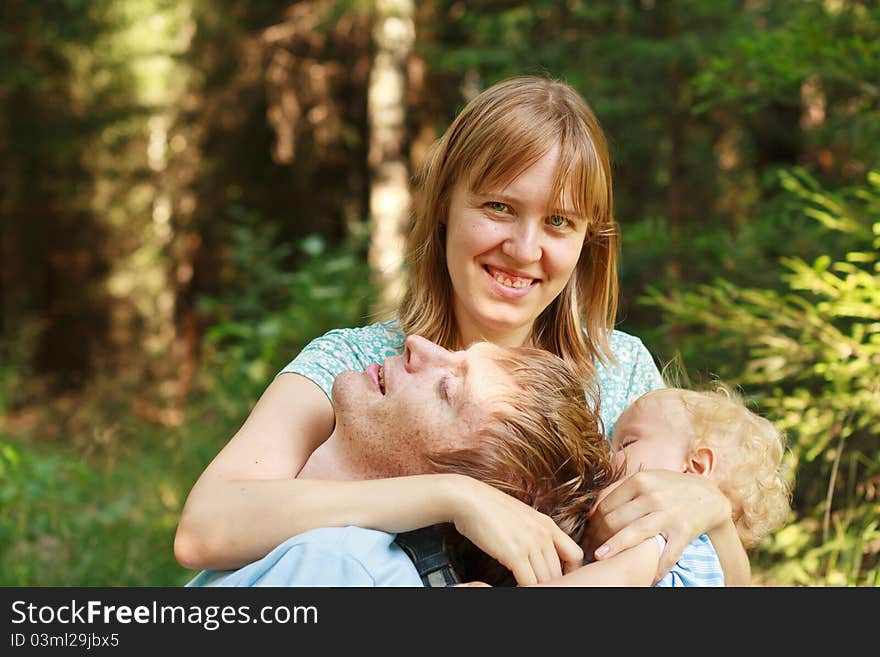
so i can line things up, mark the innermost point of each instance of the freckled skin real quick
(389, 435)
(395, 455)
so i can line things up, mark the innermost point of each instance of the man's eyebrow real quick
(462, 391)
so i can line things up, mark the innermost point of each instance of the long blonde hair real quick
(499, 134)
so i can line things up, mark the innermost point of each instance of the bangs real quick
(580, 184)
(508, 154)
(581, 181)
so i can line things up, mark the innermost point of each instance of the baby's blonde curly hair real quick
(750, 458)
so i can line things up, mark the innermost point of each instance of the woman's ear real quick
(701, 461)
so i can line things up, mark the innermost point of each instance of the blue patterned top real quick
(340, 350)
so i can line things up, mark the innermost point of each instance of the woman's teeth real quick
(515, 282)
(382, 379)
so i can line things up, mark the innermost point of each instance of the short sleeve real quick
(620, 384)
(698, 565)
(349, 349)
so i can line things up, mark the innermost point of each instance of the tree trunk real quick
(390, 200)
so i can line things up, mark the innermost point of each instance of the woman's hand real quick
(525, 541)
(678, 505)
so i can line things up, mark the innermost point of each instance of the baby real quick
(712, 434)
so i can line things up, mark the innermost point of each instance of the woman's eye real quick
(497, 206)
(557, 221)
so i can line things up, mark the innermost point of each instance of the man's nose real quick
(421, 352)
(523, 245)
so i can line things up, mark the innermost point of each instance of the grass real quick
(99, 517)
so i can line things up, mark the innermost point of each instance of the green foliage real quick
(703, 103)
(110, 520)
(830, 46)
(106, 523)
(267, 314)
(15, 370)
(810, 355)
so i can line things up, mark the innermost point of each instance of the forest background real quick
(191, 190)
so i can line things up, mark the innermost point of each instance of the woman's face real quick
(510, 251)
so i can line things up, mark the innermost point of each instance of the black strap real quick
(429, 549)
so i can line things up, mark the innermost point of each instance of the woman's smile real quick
(509, 254)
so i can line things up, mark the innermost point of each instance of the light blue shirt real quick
(698, 565)
(330, 556)
(354, 556)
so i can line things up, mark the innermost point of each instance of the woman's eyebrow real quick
(513, 200)
(496, 196)
(571, 214)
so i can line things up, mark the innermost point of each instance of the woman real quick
(514, 242)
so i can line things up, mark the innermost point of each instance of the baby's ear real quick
(701, 461)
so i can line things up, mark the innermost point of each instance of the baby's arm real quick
(731, 554)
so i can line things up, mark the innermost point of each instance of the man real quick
(515, 419)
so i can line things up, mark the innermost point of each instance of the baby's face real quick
(653, 433)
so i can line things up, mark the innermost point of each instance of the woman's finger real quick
(630, 536)
(671, 552)
(542, 565)
(624, 491)
(571, 555)
(522, 572)
(619, 518)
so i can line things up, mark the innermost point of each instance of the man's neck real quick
(327, 462)
(340, 459)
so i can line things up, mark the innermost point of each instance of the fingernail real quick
(602, 551)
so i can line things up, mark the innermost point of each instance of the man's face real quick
(426, 400)
(653, 433)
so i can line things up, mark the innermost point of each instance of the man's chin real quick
(346, 388)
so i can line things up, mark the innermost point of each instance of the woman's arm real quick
(634, 566)
(680, 506)
(248, 501)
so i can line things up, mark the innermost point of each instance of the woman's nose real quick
(523, 245)
(421, 352)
